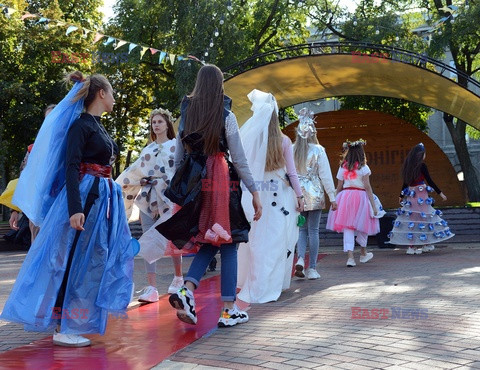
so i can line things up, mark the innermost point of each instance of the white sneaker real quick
(427, 248)
(367, 257)
(299, 266)
(176, 284)
(232, 317)
(418, 250)
(312, 274)
(351, 262)
(150, 295)
(410, 250)
(70, 340)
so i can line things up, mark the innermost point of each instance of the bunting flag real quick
(162, 57)
(109, 40)
(131, 47)
(117, 43)
(120, 43)
(28, 15)
(98, 36)
(70, 29)
(9, 11)
(144, 49)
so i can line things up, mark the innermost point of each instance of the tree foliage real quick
(455, 29)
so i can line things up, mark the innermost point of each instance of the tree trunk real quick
(457, 132)
(128, 159)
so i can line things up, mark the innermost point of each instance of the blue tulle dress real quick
(100, 277)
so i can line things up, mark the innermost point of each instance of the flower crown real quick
(348, 144)
(306, 124)
(164, 112)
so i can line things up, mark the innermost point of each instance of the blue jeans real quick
(228, 253)
(311, 229)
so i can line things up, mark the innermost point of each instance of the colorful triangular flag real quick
(144, 49)
(162, 57)
(131, 47)
(28, 15)
(109, 40)
(172, 58)
(120, 44)
(98, 36)
(70, 29)
(153, 51)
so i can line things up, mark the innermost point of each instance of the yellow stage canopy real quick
(313, 77)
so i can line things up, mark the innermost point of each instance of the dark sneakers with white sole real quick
(184, 303)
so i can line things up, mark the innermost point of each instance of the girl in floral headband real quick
(143, 184)
(355, 203)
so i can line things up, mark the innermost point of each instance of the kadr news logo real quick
(399, 313)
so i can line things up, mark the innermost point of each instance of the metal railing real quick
(350, 48)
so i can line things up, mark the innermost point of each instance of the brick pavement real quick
(311, 326)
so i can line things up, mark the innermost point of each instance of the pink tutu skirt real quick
(353, 212)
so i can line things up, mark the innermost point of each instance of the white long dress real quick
(265, 262)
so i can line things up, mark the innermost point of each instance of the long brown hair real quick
(355, 157)
(275, 159)
(92, 85)
(167, 116)
(413, 163)
(204, 114)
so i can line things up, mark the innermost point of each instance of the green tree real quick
(461, 36)
(388, 23)
(30, 78)
(210, 30)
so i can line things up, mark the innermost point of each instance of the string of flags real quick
(163, 56)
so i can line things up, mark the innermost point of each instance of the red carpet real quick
(151, 334)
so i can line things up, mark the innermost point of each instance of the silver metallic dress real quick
(318, 179)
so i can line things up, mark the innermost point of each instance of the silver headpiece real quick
(306, 124)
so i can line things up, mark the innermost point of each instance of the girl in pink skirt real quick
(354, 199)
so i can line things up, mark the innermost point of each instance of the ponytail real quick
(91, 85)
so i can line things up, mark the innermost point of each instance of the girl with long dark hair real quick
(211, 216)
(418, 223)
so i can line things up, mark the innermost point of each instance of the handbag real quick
(186, 184)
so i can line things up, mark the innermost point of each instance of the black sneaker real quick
(184, 303)
(232, 317)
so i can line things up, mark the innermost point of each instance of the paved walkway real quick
(314, 324)
(427, 308)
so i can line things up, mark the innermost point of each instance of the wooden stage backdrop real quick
(388, 141)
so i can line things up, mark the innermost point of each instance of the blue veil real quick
(44, 175)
